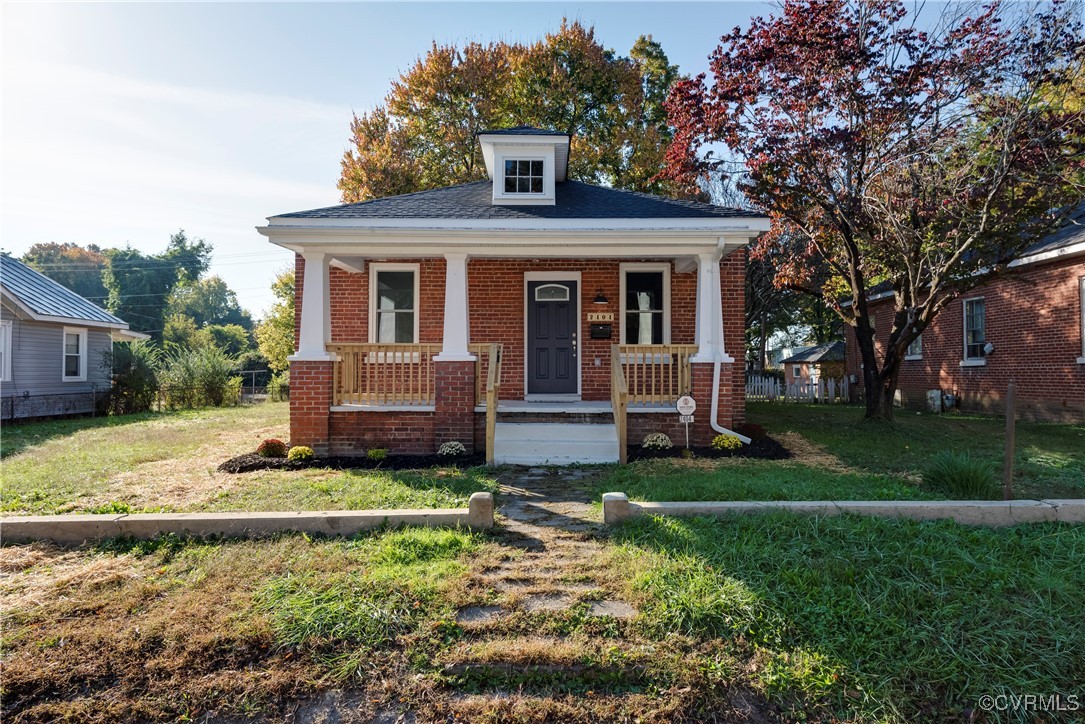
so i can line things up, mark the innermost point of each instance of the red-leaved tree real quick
(919, 154)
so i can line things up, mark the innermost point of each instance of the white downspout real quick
(714, 419)
(713, 298)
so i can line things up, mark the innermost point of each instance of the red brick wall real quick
(310, 398)
(353, 433)
(454, 383)
(496, 300)
(1034, 322)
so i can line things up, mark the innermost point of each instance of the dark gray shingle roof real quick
(574, 200)
(1072, 233)
(828, 352)
(522, 131)
(48, 298)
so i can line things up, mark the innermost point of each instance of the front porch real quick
(542, 343)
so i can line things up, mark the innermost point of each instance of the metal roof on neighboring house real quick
(1072, 233)
(574, 200)
(47, 298)
(828, 352)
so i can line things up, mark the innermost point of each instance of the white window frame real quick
(82, 376)
(1081, 289)
(796, 371)
(664, 267)
(374, 269)
(5, 349)
(524, 194)
(967, 361)
(918, 353)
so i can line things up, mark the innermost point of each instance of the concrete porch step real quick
(554, 443)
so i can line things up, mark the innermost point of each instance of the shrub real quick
(656, 441)
(962, 476)
(300, 454)
(271, 448)
(451, 449)
(752, 430)
(133, 367)
(278, 388)
(377, 454)
(200, 377)
(726, 442)
(687, 454)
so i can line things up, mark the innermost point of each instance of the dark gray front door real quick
(551, 338)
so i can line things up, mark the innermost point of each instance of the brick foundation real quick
(310, 398)
(454, 384)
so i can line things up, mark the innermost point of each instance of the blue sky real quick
(122, 123)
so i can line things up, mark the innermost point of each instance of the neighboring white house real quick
(52, 345)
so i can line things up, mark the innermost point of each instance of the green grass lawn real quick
(869, 618)
(167, 462)
(1049, 460)
(856, 460)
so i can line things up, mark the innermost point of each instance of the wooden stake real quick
(1007, 464)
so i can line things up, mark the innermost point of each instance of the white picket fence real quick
(771, 389)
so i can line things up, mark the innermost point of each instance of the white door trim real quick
(558, 276)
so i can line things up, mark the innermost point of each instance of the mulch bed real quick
(762, 448)
(251, 461)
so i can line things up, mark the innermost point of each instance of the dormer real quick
(524, 163)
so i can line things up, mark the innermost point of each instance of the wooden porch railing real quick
(619, 399)
(493, 388)
(383, 374)
(486, 359)
(657, 374)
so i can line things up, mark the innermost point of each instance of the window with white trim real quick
(523, 176)
(915, 348)
(393, 305)
(74, 360)
(975, 328)
(646, 304)
(796, 370)
(5, 350)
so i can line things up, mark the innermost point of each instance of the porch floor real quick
(577, 407)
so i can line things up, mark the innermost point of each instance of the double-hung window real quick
(5, 351)
(975, 329)
(645, 304)
(393, 303)
(74, 358)
(523, 176)
(915, 348)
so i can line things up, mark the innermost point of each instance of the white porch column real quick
(315, 309)
(456, 330)
(709, 329)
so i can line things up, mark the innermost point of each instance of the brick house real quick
(531, 316)
(1028, 326)
(816, 362)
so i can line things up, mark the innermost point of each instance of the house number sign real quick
(600, 316)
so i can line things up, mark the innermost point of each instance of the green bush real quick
(133, 367)
(278, 387)
(300, 454)
(200, 377)
(962, 476)
(726, 442)
(271, 448)
(656, 441)
(377, 454)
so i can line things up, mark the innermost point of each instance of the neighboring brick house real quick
(1027, 326)
(811, 364)
(406, 303)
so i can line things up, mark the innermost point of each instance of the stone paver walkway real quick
(547, 514)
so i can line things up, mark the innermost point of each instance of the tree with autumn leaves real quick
(919, 161)
(423, 135)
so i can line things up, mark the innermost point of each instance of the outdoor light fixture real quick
(600, 298)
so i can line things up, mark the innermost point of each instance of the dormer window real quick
(523, 176)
